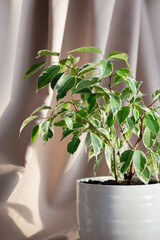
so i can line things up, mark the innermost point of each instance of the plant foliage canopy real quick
(94, 106)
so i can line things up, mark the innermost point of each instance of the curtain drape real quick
(37, 183)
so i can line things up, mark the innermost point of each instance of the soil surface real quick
(121, 183)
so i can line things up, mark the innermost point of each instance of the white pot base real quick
(107, 212)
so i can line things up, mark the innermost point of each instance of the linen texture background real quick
(37, 183)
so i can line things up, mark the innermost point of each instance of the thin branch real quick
(140, 135)
(125, 138)
(132, 170)
(153, 103)
(109, 85)
(74, 71)
(142, 101)
(142, 124)
(107, 139)
(105, 83)
(100, 113)
(76, 109)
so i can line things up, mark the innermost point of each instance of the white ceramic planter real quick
(108, 212)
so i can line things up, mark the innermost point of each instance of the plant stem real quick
(73, 70)
(109, 85)
(125, 138)
(114, 154)
(76, 109)
(99, 110)
(132, 171)
(153, 103)
(115, 167)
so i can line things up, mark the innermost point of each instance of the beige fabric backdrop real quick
(37, 183)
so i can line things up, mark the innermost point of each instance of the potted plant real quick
(119, 128)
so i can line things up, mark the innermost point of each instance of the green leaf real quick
(47, 75)
(117, 79)
(118, 56)
(84, 91)
(59, 105)
(148, 138)
(90, 154)
(92, 74)
(95, 122)
(41, 108)
(65, 64)
(125, 159)
(109, 158)
(157, 117)
(86, 65)
(131, 84)
(105, 132)
(136, 114)
(158, 145)
(128, 134)
(125, 94)
(64, 85)
(156, 155)
(73, 145)
(115, 103)
(96, 143)
(131, 122)
(47, 52)
(26, 121)
(46, 130)
(110, 120)
(141, 107)
(152, 124)
(87, 141)
(83, 84)
(55, 79)
(82, 113)
(35, 132)
(152, 164)
(136, 99)
(87, 50)
(74, 60)
(33, 69)
(66, 106)
(139, 160)
(113, 133)
(73, 71)
(123, 72)
(120, 74)
(103, 117)
(96, 163)
(123, 114)
(105, 92)
(86, 70)
(91, 101)
(106, 68)
(156, 94)
(69, 122)
(60, 123)
(67, 132)
(145, 176)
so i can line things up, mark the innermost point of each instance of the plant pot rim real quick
(83, 181)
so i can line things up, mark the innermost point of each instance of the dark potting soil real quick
(121, 183)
